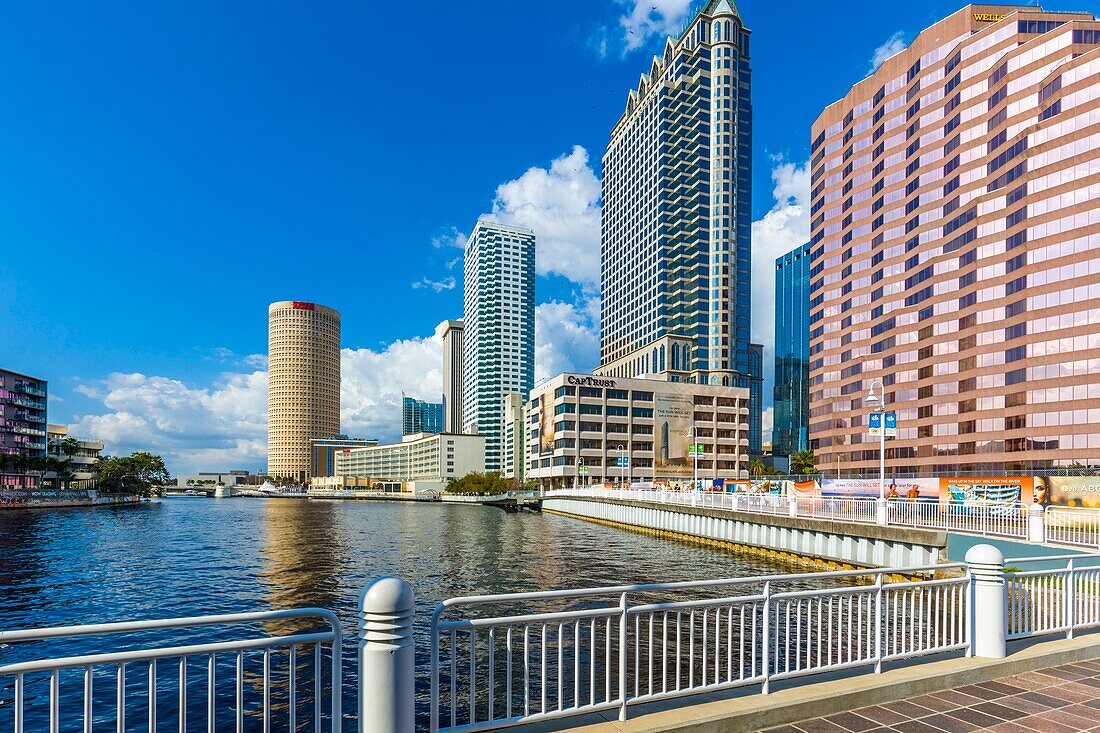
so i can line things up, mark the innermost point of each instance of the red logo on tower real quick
(302, 305)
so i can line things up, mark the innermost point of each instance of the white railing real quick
(1052, 600)
(1063, 525)
(1072, 525)
(505, 660)
(267, 678)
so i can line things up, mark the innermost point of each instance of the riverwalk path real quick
(1060, 699)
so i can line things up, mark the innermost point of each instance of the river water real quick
(195, 556)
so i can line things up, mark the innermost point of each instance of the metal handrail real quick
(571, 662)
(117, 662)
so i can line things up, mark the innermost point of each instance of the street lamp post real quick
(879, 400)
(622, 466)
(693, 452)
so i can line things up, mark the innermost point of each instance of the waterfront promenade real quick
(741, 650)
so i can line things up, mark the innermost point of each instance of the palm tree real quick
(65, 473)
(757, 467)
(803, 462)
(69, 446)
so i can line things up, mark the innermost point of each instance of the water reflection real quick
(187, 556)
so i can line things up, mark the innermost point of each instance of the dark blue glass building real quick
(791, 398)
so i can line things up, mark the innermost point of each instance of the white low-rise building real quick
(420, 462)
(584, 430)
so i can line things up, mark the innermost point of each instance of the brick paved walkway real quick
(1062, 699)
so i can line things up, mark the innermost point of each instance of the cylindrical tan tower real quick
(303, 391)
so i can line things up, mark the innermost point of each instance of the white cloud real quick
(766, 422)
(449, 237)
(567, 338)
(894, 44)
(447, 283)
(227, 419)
(562, 205)
(372, 382)
(784, 227)
(224, 425)
(256, 361)
(649, 18)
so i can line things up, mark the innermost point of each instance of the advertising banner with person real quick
(546, 425)
(982, 491)
(672, 418)
(1074, 491)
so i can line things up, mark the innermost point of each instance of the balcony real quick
(24, 402)
(29, 431)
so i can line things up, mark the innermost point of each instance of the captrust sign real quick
(589, 381)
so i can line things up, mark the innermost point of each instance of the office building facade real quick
(513, 442)
(81, 453)
(418, 416)
(22, 427)
(584, 430)
(677, 190)
(791, 394)
(452, 331)
(955, 237)
(303, 384)
(429, 461)
(499, 319)
(322, 452)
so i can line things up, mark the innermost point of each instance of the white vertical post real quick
(622, 655)
(792, 506)
(988, 618)
(386, 692)
(733, 501)
(1036, 527)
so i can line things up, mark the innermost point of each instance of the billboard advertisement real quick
(927, 489)
(987, 490)
(1083, 491)
(672, 418)
(546, 425)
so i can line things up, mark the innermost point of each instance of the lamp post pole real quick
(622, 466)
(879, 400)
(695, 450)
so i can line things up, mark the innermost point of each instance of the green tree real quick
(139, 473)
(69, 446)
(482, 484)
(803, 462)
(757, 467)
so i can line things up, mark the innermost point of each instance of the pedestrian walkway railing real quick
(251, 672)
(1063, 596)
(1076, 526)
(503, 660)
(506, 660)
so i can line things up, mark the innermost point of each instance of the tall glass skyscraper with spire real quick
(677, 192)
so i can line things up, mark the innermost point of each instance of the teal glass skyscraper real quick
(418, 416)
(791, 396)
(677, 190)
(498, 350)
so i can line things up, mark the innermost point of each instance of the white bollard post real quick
(881, 511)
(988, 602)
(386, 689)
(1036, 526)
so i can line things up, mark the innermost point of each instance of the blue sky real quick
(168, 169)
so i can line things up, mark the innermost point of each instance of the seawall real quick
(811, 541)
